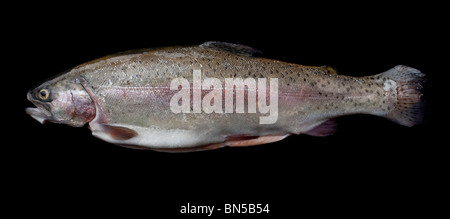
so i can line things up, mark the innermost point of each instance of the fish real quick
(127, 98)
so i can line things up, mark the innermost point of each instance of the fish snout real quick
(39, 112)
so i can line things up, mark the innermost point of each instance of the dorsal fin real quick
(231, 48)
(330, 70)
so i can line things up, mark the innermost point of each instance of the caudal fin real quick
(409, 108)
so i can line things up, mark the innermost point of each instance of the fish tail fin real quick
(408, 110)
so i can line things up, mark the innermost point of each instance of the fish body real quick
(126, 98)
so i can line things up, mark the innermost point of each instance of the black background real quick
(371, 166)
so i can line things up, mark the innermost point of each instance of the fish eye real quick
(44, 94)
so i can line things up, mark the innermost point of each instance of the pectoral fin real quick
(118, 133)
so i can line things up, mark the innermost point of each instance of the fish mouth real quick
(39, 112)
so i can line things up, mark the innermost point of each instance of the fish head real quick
(63, 101)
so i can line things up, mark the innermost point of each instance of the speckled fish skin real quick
(126, 98)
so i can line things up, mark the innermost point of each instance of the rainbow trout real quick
(216, 94)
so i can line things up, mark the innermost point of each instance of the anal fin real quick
(324, 129)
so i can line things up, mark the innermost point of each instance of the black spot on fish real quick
(348, 89)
